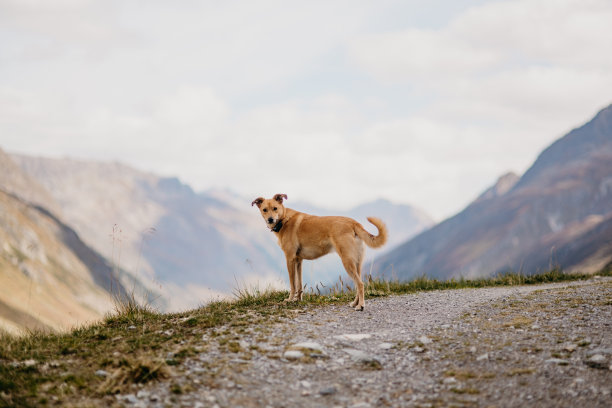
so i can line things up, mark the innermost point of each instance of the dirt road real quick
(545, 346)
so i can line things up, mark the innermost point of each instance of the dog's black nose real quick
(270, 220)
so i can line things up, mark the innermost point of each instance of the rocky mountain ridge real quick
(556, 215)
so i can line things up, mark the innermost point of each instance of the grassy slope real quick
(138, 345)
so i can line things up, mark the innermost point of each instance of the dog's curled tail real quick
(373, 241)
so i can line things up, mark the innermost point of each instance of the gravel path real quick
(546, 345)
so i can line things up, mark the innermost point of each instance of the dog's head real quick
(271, 209)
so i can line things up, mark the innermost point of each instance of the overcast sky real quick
(423, 102)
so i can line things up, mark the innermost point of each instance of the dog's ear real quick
(257, 202)
(279, 197)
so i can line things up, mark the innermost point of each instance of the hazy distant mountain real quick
(189, 246)
(15, 181)
(558, 213)
(48, 277)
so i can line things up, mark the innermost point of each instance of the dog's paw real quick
(289, 299)
(359, 308)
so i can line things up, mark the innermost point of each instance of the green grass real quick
(132, 344)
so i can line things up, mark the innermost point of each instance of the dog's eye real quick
(265, 210)
(275, 208)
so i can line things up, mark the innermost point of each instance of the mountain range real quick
(558, 214)
(73, 233)
(186, 247)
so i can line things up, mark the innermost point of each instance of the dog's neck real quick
(289, 214)
(278, 226)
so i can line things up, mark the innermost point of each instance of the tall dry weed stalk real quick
(127, 303)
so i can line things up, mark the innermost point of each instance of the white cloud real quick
(415, 54)
(319, 100)
(521, 33)
(532, 62)
(192, 106)
(568, 32)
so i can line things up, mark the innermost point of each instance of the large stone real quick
(558, 361)
(328, 391)
(597, 361)
(308, 345)
(293, 354)
(353, 337)
(363, 357)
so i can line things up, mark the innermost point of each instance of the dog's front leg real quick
(298, 280)
(291, 269)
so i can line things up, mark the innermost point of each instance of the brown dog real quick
(303, 236)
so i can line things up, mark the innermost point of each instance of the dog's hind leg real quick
(359, 288)
(350, 260)
(355, 302)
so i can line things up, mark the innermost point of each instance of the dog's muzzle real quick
(270, 220)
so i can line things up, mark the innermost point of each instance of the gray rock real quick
(293, 354)
(570, 348)
(102, 373)
(482, 357)
(143, 394)
(129, 398)
(353, 337)
(597, 361)
(558, 361)
(356, 354)
(425, 340)
(361, 405)
(361, 356)
(309, 345)
(600, 351)
(29, 363)
(328, 391)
